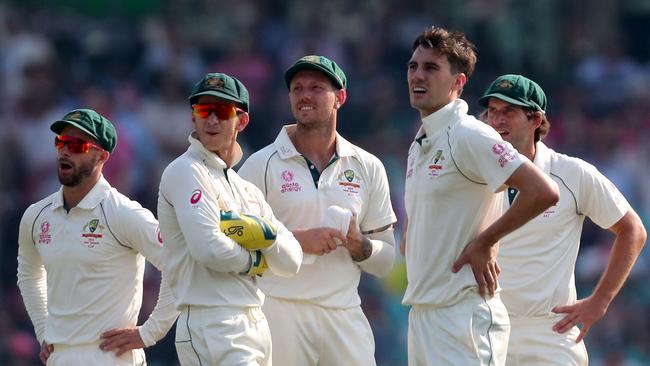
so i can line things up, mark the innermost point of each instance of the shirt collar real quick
(542, 157)
(92, 199)
(286, 149)
(211, 159)
(440, 119)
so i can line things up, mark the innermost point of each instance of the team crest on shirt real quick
(505, 155)
(45, 237)
(350, 182)
(288, 184)
(435, 164)
(92, 233)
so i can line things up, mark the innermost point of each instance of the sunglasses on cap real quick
(221, 110)
(75, 145)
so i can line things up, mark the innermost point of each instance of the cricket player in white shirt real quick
(334, 196)
(81, 257)
(538, 259)
(214, 274)
(455, 166)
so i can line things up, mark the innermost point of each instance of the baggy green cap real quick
(318, 63)
(221, 86)
(517, 90)
(92, 123)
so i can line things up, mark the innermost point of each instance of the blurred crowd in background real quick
(135, 62)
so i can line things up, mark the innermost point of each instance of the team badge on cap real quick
(504, 84)
(311, 58)
(75, 116)
(216, 83)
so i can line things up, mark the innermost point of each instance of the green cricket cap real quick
(92, 123)
(223, 87)
(517, 90)
(318, 63)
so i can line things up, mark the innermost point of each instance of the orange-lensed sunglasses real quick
(221, 110)
(75, 145)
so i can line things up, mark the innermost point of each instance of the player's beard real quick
(78, 173)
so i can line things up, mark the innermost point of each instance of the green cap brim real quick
(215, 93)
(59, 125)
(484, 100)
(310, 66)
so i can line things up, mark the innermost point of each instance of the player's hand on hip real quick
(586, 312)
(319, 240)
(46, 351)
(481, 256)
(121, 340)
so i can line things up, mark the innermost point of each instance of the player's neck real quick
(72, 195)
(316, 144)
(529, 152)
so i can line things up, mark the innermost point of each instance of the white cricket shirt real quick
(538, 260)
(204, 265)
(80, 272)
(455, 166)
(356, 180)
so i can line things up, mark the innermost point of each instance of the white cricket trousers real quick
(305, 334)
(533, 342)
(224, 336)
(90, 354)
(473, 332)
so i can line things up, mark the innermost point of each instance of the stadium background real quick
(135, 61)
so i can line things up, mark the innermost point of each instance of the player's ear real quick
(103, 156)
(461, 80)
(242, 121)
(341, 97)
(536, 119)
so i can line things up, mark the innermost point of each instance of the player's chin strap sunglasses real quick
(75, 144)
(223, 111)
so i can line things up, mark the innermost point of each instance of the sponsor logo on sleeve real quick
(196, 196)
(159, 236)
(505, 155)
(410, 165)
(45, 237)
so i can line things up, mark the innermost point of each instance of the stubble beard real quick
(78, 174)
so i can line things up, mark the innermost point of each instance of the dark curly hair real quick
(460, 52)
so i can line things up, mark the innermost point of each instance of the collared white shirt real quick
(203, 264)
(354, 179)
(80, 272)
(538, 260)
(455, 166)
